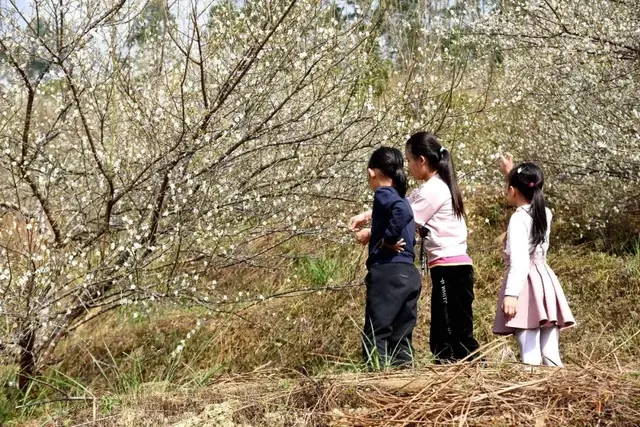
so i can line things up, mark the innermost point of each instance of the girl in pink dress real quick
(531, 304)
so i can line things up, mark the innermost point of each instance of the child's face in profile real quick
(417, 167)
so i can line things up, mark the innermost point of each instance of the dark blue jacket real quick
(391, 220)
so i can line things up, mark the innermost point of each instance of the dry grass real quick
(460, 395)
(316, 331)
(505, 396)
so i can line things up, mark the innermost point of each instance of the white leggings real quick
(539, 345)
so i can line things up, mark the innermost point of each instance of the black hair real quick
(390, 162)
(528, 179)
(426, 145)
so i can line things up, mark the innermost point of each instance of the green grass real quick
(318, 272)
(634, 259)
(9, 395)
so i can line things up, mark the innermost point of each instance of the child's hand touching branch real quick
(359, 220)
(505, 163)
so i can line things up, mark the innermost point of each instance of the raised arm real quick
(505, 163)
(359, 220)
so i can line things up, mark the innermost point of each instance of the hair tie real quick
(532, 184)
(442, 149)
(519, 170)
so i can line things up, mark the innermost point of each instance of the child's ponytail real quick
(528, 179)
(439, 159)
(448, 174)
(400, 181)
(391, 163)
(539, 215)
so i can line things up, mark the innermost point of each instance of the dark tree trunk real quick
(27, 358)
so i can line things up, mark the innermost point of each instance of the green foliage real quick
(152, 22)
(35, 66)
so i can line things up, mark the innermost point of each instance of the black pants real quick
(391, 312)
(451, 335)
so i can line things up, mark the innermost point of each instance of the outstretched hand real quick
(357, 221)
(505, 163)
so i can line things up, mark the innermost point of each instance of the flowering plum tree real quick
(134, 169)
(566, 93)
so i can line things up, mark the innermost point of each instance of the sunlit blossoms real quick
(567, 94)
(139, 160)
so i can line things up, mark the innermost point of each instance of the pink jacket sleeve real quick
(424, 206)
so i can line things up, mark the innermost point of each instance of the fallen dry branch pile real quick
(460, 395)
(475, 396)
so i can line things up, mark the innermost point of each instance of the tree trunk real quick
(27, 358)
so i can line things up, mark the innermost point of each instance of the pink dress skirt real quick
(541, 302)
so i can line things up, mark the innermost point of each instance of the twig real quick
(62, 399)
